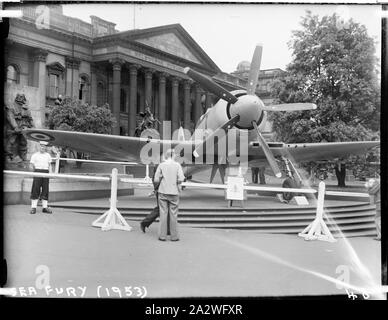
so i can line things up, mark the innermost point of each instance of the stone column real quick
(208, 100)
(162, 96)
(39, 81)
(187, 104)
(76, 63)
(175, 104)
(72, 76)
(69, 77)
(197, 103)
(93, 84)
(148, 88)
(116, 84)
(132, 99)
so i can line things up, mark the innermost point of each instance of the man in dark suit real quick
(154, 214)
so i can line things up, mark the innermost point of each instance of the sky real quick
(228, 33)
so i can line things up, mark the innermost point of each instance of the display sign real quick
(235, 188)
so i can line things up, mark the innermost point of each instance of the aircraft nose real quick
(249, 108)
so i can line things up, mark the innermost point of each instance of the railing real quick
(58, 159)
(317, 230)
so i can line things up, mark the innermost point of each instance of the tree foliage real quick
(335, 67)
(73, 115)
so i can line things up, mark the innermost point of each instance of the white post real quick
(113, 189)
(321, 199)
(147, 176)
(318, 228)
(57, 164)
(112, 218)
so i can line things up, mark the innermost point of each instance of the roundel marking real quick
(40, 136)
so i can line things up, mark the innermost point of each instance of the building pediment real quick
(171, 41)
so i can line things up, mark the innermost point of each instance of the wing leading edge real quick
(101, 146)
(303, 152)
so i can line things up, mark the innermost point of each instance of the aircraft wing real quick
(124, 148)
(100, 146)
(304, 152)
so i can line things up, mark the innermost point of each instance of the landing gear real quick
(291, 181)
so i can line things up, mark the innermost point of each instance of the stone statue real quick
(17, 117)
(148, 122)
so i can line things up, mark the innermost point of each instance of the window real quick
(83, 92)
(12, 74)
(53, 86)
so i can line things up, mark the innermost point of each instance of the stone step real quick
(241, 216)
(352, 219)
(265, 222)
(227, 211)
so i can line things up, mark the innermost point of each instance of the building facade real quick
(50, 54)
(265, 81)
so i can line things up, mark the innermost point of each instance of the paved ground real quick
(217, 263)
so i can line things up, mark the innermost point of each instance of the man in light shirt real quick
(40, 162)
(169, 175)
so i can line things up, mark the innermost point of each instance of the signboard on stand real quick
(235, 188)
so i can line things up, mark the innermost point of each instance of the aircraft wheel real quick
(289, 183)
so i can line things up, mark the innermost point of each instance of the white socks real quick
(34, 203)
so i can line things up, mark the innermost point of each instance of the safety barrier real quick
(57, 159)
(318, 230)
(112, 219)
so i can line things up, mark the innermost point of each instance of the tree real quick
(73, 115)
(335, 67)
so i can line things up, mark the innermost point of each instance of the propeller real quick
(246, 111)
(267, 151)
(290, 107)
(210, 85)
(254, 70)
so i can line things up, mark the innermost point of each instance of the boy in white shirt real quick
(40, 162)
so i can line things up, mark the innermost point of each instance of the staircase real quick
(353, 219)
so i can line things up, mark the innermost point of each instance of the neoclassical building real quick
(50, 54)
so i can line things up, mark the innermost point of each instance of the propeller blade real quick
(268, 153)
(210, 85)
(255, 69)
(290, 107)
(224, 127)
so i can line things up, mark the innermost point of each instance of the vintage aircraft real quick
(241, 110)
